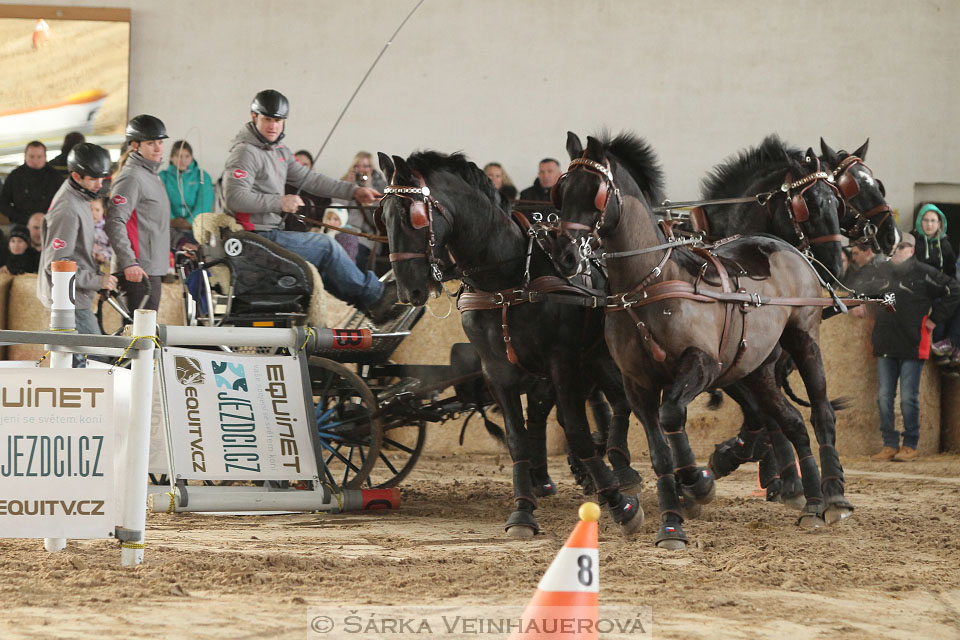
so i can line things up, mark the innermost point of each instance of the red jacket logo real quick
(118, 200)
(239, 173)
(58, 243)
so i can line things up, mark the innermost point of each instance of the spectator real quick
(3, 248)
(547, 176)
(189, 189)
(29, 187)
(102, 251)
(257, 169)
(933, 246)
(21, 257)
(901, 340)
(59, 163)
(35, 227)
(304, 157)
(501, 181)
(363, 174)
(138, 214)
(68, 234)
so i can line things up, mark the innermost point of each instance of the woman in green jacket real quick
(189, 187)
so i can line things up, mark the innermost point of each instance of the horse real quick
(674, 311)
(868, 216)
(811, 222)
(439, 203)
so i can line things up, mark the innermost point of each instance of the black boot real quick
(386, 308)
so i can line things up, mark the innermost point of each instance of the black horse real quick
(868, 217)
(437, 204)
(678, 310)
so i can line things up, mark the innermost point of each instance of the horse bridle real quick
(848, 187)
(600, 201)
(421, 216)
(797, 209)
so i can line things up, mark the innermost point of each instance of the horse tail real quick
(716, 399)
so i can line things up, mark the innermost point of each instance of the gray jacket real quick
(68, 235)
(254, 177)
(144, 240)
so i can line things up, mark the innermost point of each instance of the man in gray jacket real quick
(257, 169)
(68, 233)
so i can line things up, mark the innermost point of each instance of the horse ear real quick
(386, 165)
(829, 154)
(862, 151)
(574, 146)
(810, 157)
(403, 170)
(594, 149)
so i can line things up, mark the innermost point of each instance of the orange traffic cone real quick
(566, 602)
(41, 32)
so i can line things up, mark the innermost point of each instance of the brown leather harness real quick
(866, 224)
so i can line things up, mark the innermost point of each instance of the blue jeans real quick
(950, 328)
(908, 370)
(86, 322)
(340, 274)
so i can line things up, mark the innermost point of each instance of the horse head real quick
(814, 209)
(405, 216)
(868, 216)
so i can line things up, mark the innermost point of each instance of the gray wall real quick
(504, 80)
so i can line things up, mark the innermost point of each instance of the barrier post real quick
(134, 507)
(63, 317)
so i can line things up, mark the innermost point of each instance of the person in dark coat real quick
(925, 298)
(547, 176)
(30, 187)
(21, 257)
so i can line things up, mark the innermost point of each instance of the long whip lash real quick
(359, 86)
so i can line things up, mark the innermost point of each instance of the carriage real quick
(371, 413)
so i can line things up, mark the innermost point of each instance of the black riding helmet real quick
(270, 103)
(89, 160)
(144, 127)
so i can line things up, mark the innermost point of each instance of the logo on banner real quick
(239, 173)
(58, 243)
(118, 200)
(189, 371)
(233, 247)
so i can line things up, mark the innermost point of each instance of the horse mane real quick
(428, 163)
(735, 174)
(639, 159)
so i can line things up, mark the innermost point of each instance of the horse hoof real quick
(796, 502)
(520, 532)
(691, 509)
(521, 524)
(834, 514)
(703, 490)
(811, 522)
(633, 525)
(672, 545)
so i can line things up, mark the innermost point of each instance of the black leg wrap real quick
(702, 490)
(729, 455)
(522, 485)
(811, 480)
(668, 496)
(606, 483)
(543, 484)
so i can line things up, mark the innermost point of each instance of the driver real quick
(258, 167)
(68, 230)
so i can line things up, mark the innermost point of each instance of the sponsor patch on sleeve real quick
(239, 173)
(118, 200)
(58, 243)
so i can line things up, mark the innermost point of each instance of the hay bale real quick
(950, 412)
(25, 313)
(5, 281)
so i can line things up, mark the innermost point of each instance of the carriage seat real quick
(266, 278)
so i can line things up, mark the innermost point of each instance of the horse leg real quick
(762, 383)
(626, 511)
(540, 401)
(521, 523)
(618, 452)
(601, 417)
(778, 470)
(645, 403)
(691, 378)
(806, 354)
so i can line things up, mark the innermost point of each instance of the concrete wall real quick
(504, 80)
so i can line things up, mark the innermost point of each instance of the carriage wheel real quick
(401, 448)
(350, 435)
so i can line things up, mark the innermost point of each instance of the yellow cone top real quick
(590, 511)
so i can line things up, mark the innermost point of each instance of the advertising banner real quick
(57, 434)
(237, 417)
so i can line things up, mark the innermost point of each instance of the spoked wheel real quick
(350, 433)
(401, 448)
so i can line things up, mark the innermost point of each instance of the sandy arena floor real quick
(893, 571)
